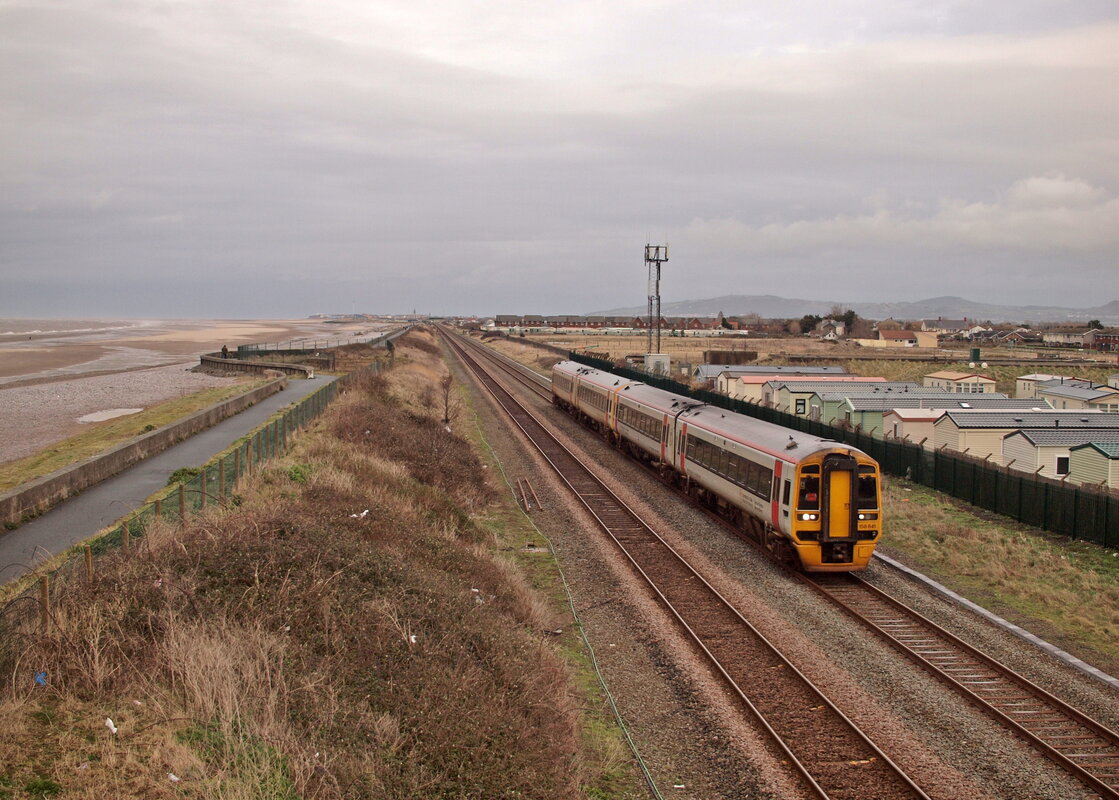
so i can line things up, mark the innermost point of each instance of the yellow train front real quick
(835, 515)
(811, 501)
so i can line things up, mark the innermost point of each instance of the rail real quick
(825, 747)
(1079, 744)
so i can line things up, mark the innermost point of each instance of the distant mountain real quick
(771, 306)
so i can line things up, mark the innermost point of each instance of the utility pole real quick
(655, 255)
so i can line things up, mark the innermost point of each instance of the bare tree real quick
(450, 402)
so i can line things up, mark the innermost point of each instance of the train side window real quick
(808, 498)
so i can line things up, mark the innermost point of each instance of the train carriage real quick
(590, 391)
(812, 500)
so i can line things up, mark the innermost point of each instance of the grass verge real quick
(357, 627)
(105, 435)
(1064, 590)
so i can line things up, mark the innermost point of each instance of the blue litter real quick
(41, 678)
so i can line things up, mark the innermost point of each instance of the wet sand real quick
(57, 354)
(52, 372)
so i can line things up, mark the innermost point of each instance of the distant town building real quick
(959, 382)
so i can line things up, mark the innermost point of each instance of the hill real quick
(949, 307)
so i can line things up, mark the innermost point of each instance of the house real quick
(792, 396)
(1027, 385)
(726, 376)
(1046, 451)
(831, 330)
(830, 406)
(980, 433)
(868, 412)
(1023, 337)
(914, 424)
(1066, 395)
(1095, 463)
(897, 338)
(1113, 380)
(751, 388)
(1106, 339)
(959, 382)
(1068, 335)
(949, 327)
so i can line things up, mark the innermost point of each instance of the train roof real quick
(778, 441)
(598, 377)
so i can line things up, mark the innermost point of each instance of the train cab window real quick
(788, 491)
(868, 488)
(808, 497)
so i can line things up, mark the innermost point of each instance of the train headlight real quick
(868, 515)
(809, 517)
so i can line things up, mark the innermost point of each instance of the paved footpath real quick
(85, 514)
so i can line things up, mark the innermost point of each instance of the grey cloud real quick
(140, 143)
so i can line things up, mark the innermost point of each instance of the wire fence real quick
(1081, 512)
(213, 484)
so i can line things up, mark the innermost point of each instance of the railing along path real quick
(835, 758)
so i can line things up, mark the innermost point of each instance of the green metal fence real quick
(214, 484)
(1076, 511)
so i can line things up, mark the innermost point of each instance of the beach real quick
(55, 372)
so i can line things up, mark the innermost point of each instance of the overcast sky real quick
(251, 159)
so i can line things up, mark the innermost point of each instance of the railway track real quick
(1077, 743)
(1083, 747)
(833, 757)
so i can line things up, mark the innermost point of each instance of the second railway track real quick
(834, 758)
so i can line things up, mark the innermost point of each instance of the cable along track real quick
(832, 755)
(1082, 746)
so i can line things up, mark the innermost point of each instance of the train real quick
(812, 502)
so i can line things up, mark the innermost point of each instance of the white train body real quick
(816, 499)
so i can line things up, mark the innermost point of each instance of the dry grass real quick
(1071, 588)
(105, 435)
(346, 632)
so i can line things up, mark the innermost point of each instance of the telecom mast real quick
(655, 255)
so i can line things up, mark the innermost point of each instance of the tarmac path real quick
(83, 515)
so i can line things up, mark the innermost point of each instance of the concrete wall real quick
(39, 495)
(218, 364)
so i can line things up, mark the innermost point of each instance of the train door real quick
(839, 496)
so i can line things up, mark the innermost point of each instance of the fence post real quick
(88, 562)
(182, 502)
(221, 478)
(249, 456)
(124, 536)
(159, 508)
(237, 464)
(44, 605)
(202, 484)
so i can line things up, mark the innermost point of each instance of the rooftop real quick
(1077, 392)
(954, 403)
(950, 375)
(1081, 418)
(1064, 437)
(824, 384)
(714, 370)
(1108, 449)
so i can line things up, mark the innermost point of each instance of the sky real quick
(243, 158)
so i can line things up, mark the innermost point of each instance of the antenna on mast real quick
(655, 255)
